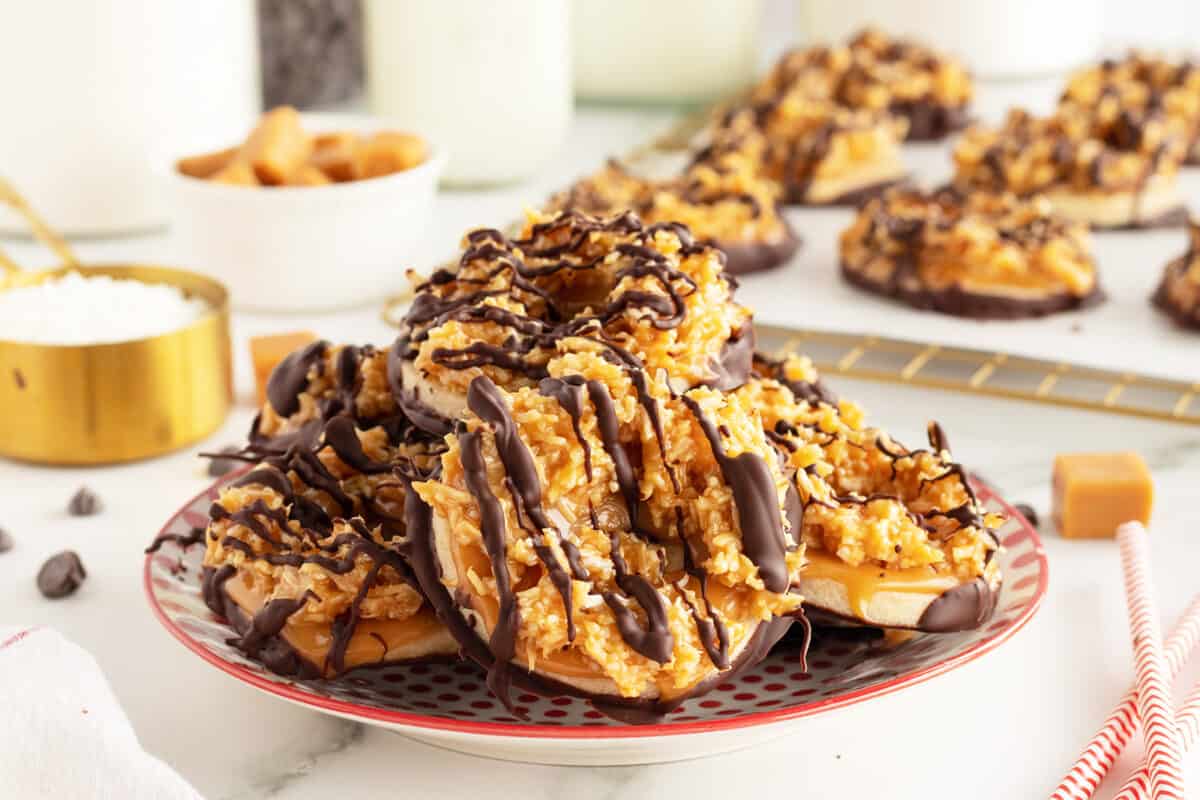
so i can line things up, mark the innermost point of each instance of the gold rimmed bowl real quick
(124, 401)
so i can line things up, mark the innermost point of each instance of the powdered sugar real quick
(94, 309)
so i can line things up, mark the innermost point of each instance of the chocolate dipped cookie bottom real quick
(956, 301)
(744, 258)
(1176, 217)
(798, 193)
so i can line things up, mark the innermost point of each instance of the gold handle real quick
(44, 234)
(8, 265)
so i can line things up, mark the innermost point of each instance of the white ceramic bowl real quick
(305, 248)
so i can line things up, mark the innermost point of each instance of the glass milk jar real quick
(664, 51)
(490, 82)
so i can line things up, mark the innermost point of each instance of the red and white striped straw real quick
(1150, 667)
(1188, 722)
(1102, 751)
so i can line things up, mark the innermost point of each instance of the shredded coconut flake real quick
(82, 310)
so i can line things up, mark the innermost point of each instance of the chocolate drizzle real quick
(736, 360)
(503, 642)
(804, 391)
(341, 435)
(304, 522)
(485, 401)
(291, 376)
(568, 392)
(533, 337)
(654, 641)
(757, 501)
(193, 537)
(607, 423)
(269, 621)
(421, 550)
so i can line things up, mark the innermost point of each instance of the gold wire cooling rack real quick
(980, 372)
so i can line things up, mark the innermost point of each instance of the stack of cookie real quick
(572, 468)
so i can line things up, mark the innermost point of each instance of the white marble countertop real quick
(1004, 726)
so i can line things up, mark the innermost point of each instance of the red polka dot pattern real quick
(836, 668)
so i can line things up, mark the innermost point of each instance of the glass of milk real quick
(664, 51)
(489, 82)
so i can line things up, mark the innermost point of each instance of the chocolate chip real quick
(218, 466)
(1028, 512)
(61, 575)
(84, 503)
(6, 541)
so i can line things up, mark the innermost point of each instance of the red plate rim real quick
(534, 731)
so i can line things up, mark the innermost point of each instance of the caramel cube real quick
(387, 152)
(206, 165)
(1096, 492)
(308, 175)
(236, 173)
(278, 146)
(333, 154)
(267, 351)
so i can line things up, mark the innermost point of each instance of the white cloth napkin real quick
(62, 733)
